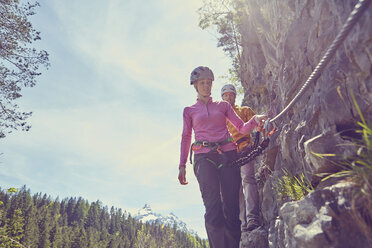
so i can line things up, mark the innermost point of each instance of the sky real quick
(107, 114)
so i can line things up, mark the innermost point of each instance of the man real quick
(248, 201)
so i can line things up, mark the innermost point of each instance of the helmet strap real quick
(202, 98)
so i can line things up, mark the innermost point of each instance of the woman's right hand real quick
(182, 175)
(260, 119)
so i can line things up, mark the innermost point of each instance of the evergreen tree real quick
(26, 199)
(126, 242)
(31, 229)
(104, 238)
(93, 236)
(170, 239)
(14, 229)
(56, 237)
(62, 207)
(114, 221)
(70, 210)
(114, 243)
(45, 224)
(68, 236)
(144, 239)
(19, 62)
(3, 236)
(81, 239)
(93, 216)
(80, 211)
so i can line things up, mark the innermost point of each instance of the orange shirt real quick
(245, 113)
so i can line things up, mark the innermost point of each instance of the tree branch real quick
(15, 241)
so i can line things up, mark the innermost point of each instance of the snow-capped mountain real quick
(146, 214)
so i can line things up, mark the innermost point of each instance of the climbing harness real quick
(359, 8)
(214, 163)
(214, 146)
(256, 150)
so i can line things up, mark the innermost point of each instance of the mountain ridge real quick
(146, 214)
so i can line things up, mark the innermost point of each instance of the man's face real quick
(229, 97)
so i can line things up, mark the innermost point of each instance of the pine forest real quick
(38, 221)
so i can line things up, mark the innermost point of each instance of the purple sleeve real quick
(186, 137)
(241, 126)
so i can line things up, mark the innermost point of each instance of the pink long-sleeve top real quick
(209, 124)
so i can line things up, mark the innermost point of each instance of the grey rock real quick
(322, 219)
(282, 42)
(326, 143)
(256, 238)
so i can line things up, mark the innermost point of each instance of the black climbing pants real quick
(220, 192)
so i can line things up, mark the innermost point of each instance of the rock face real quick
(319, 220)
(283, 41)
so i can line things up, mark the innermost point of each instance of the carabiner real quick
(265, 127)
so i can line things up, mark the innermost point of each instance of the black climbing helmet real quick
(201, 72)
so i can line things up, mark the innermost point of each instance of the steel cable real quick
(359, 8)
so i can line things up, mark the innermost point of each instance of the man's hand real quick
(182, 175)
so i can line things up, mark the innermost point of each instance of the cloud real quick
(159, 54)
(105, 152)
(109, 124)
(110, 135)
(103, 157)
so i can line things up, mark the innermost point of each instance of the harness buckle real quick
(205, 143)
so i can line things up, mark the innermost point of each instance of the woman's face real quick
(204, 87)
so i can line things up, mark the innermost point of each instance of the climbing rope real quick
(359, 8)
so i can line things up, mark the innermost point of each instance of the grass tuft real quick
(358, 170)
(292, 187)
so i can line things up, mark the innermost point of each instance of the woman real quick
(214, 149)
